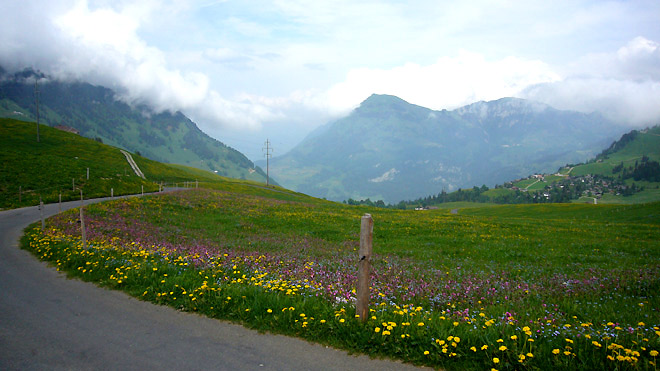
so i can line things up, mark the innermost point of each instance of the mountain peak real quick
(377, 100)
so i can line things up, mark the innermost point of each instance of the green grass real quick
(525, 183)
(58, 164)
(462, 205)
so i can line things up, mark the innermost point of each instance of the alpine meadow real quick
(330, 185)
(550, 286)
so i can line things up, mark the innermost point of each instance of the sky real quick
(247, 71)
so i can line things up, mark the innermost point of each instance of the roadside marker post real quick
(82, 221)
(41, 213)
(364, 267)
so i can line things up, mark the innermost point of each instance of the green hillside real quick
(58, 164)
(630, 148)
(96, 112)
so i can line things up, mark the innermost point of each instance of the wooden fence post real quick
(20, 194)
(364, 267)
(73, 184)
(87, 173)
(82, 221)
(59, 209)
(112, 193)
(142, 189)
(41, 213)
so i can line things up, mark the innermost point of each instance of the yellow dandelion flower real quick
(555, 351)
(503, 348)
(426, 352)
(377, 329)
(653, 353)
(496, 360)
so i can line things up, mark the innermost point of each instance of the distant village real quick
(574, 187)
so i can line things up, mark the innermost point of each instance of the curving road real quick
(50, 322)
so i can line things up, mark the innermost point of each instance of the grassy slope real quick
(646, 143)
(61, 159)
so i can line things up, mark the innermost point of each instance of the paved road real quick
(50, 322)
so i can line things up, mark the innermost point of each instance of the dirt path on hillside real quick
(50, 322)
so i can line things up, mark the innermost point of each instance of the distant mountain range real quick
(95, 112)
(392, 150)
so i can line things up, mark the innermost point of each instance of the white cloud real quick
(387, 176)
(624, 85)
(449, 83)
(101, 46)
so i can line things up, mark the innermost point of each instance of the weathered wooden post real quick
(73, 184)
(112, 193)
(87, 173)
(59, 208)
(20, 194)
(82, 221)
(142, 189)
(364, 267)
(41, 213)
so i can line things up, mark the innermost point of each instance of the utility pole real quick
(36, 102)
(268, 152)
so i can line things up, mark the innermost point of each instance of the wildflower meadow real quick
(516, 287)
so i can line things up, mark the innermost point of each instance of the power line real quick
(268, 152)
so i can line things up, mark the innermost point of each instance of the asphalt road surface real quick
(50, 322)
